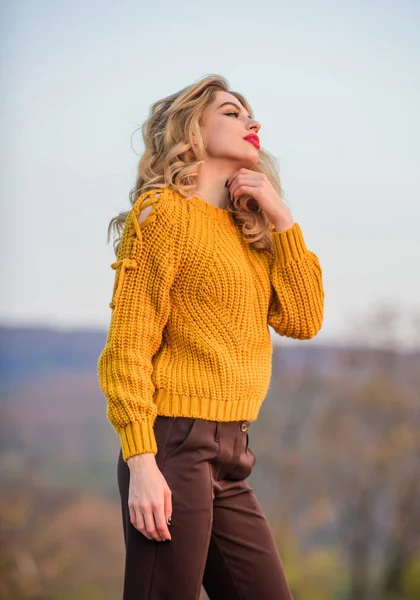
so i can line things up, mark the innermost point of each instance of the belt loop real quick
(216, 436)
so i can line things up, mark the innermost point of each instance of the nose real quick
(254, 125)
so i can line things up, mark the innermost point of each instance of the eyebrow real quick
(233, 104)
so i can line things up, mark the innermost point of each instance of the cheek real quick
(220, 137)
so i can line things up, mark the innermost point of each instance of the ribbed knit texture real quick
(191, 305)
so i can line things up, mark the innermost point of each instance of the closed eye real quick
(233, 113)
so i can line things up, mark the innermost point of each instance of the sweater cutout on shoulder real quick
(132, 238)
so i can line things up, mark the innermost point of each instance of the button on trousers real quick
(221, 538)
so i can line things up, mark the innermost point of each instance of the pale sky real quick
(335, 86)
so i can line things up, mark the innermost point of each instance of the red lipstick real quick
(253, 139)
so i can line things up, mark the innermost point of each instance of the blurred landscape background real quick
(338, 453)
(336, 88)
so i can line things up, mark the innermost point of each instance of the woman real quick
(209, 256)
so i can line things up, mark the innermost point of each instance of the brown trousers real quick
(221, 538)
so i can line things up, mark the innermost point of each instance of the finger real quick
(141, 525)
(132, 516)
(161, 524)
(151, 525)
(239, 172)
(243, 177)
(168, 505)
(243, 180)
(244, 189)
(137, 520)
(237, 189)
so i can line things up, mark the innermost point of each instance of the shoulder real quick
(156, 226)
(159, 204)
(147, 205)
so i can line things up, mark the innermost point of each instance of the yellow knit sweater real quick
(191, 305)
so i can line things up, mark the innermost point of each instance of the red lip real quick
(253, 139)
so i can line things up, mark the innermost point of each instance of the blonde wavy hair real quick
(171, 159)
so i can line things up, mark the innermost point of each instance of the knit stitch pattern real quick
(190, 310)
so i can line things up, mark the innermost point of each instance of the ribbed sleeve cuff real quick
(288, 245)
(137, 438)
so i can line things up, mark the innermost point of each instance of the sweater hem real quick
(170, 404)
(138, 437)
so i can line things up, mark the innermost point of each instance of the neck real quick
(211, 183)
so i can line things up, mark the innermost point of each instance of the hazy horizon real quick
(336, 89)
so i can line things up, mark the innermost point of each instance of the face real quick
(225, 125)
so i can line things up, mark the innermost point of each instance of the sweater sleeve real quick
(297, 302)
(140, 306)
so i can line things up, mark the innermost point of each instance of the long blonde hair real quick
(171, 159)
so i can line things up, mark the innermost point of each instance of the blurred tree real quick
(369, 443)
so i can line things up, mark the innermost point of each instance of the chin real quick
(250, 160)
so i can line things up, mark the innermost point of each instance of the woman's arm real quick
(297, 302)
(140, 305)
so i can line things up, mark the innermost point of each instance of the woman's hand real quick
(257, 185)
(149, 498)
